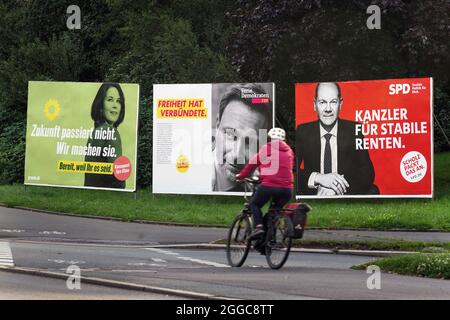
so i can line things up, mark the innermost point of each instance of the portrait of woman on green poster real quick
(108, 112)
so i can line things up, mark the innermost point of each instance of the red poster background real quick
(374, 94)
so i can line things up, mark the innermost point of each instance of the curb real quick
(57, 213)
(179, 224)
(117, 284)
(212, 246)
(369, 253)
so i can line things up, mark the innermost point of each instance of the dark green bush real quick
(442, 125)
(12, 147)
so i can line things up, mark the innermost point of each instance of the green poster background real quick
(75, 102)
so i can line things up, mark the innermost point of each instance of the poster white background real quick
(190, 137)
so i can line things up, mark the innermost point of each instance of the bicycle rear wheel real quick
(278, 242)
(237, 244)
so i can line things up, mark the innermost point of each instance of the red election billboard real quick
(364, 139)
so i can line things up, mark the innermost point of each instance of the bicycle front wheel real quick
(237, 244)
(278, 242)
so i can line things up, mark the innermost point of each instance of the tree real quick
(313, 40)
(163, 49)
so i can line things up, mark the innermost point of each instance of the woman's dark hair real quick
(97, 105)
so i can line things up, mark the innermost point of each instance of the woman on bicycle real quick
(275, 161)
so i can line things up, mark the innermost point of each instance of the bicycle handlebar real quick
(252, 180)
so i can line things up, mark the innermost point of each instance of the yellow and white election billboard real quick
(204, 134)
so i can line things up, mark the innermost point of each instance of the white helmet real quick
(277, 133)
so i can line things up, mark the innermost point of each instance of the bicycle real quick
(277, 242)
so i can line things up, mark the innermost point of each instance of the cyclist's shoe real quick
(260, 246)
(262, 251)
(257, 233)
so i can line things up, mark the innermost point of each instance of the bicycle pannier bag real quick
(298, 212)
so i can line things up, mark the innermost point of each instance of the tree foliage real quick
(315, 40)
(143, 42)
(177, 41)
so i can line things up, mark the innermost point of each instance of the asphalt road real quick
(305, 276)
(27, 287)
(130, 253)
(24, 224)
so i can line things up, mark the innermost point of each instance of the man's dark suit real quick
(355, 165)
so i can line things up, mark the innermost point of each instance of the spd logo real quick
(399, 88)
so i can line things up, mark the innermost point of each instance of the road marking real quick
(6, 258)
(82, 270)
(209, 263)
(205, 262)
(52, 232)
(163, 251)
(143, 264)
(12, 231)
(71, 262)
(159, 260)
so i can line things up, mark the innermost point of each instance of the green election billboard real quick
(82, 135)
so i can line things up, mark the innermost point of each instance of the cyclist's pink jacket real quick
(275, 161)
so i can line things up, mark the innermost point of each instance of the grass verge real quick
(388, 245)
(377, 214)
(385, 245)
(431, 265)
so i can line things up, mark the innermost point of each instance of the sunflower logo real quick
(52, 109)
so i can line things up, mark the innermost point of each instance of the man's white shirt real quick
(334, 158)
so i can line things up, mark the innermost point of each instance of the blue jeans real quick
(280, 196)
